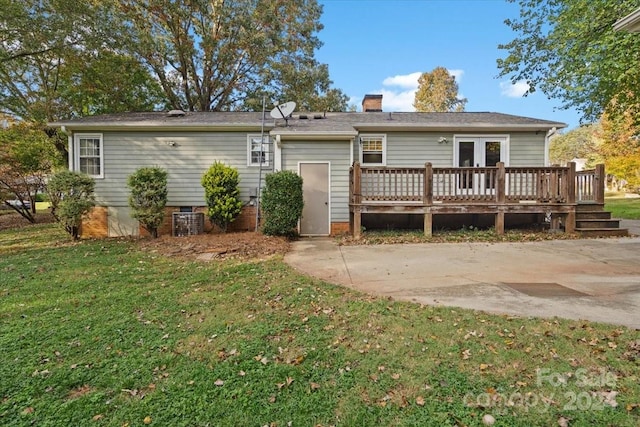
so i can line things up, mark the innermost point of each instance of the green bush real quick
(282, 203)
(148, 197)
(221, 191)
(71, 196)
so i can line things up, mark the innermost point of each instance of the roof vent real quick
(176, 113)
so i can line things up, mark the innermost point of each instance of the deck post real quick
(357, 223)
(570, 217)
(500, 197)
(571, 183)
(427, 199)
(600, 181)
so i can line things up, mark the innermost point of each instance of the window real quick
(89, 156)
(258, 150)
(373, 150)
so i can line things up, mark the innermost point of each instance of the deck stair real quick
(593, 221)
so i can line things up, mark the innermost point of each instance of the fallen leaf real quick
(612, 345)
(395, 376)
(27, 411)
(466, 354)
(563, 422)
(483, 366)
(219, 382)
(314, 386)
(97, 417)
(420, 401)
(272, 398)
(147, 420)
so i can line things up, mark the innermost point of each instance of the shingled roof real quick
(312, 124)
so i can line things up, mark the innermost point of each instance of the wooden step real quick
(589, 207)
(603, 232)
(593, 215)
(597, 223)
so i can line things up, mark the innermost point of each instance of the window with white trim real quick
(258, 150)
(89, 155)
(373, 150)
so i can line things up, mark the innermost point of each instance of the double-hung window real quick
(89, 154)
(258, 150)
(373, 150)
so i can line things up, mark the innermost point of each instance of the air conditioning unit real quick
(187, 223)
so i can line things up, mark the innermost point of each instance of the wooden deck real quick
(499, 190)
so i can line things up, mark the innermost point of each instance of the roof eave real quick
(137, 127)
(629, 23)
(444, 127)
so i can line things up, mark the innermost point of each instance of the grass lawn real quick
(621, 207)
(100, 333)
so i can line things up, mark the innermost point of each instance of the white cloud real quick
(407, 81)
(457, 74)
(514, 90)
(398, 92)
(397, 100)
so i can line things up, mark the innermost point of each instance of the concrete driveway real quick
(592, 279)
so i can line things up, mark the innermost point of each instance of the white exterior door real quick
(478, 152)
(315, 219)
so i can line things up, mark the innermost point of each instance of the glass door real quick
(478, 152)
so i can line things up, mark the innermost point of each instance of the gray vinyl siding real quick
(186, 161)
(414, 149)
(335, 152)
(527, 149)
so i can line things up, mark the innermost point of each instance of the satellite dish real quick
(283, 111)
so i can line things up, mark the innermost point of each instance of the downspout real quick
(69, 148)
(547, 140)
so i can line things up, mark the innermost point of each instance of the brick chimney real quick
(372, 104)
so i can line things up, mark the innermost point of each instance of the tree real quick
(579, 143)
(438, 91)
(148, 197)
(71, 196)
(72, 65)
(620, 145)
(27, 157)
(569, 50)
(228, 54)
(282, 203)
(221, 191)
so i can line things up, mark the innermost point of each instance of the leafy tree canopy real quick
(620, 145)
(226, 54)
(438, 91)
(61, 58)
(579, 143)
(27, 157)
(569, 50)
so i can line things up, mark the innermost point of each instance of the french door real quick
(478, 152)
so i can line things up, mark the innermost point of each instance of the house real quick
(356, 166)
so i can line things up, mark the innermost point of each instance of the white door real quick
(478, 152)
(315, 192)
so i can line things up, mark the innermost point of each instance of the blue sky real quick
(381, 47)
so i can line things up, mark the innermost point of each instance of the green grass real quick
(100, 333)
(624, 208)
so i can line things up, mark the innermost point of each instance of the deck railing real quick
(500, 184)
(590, 185)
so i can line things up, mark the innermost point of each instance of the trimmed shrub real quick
(148, 197)
(221, 192)
(71, 196)
(282, 203)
